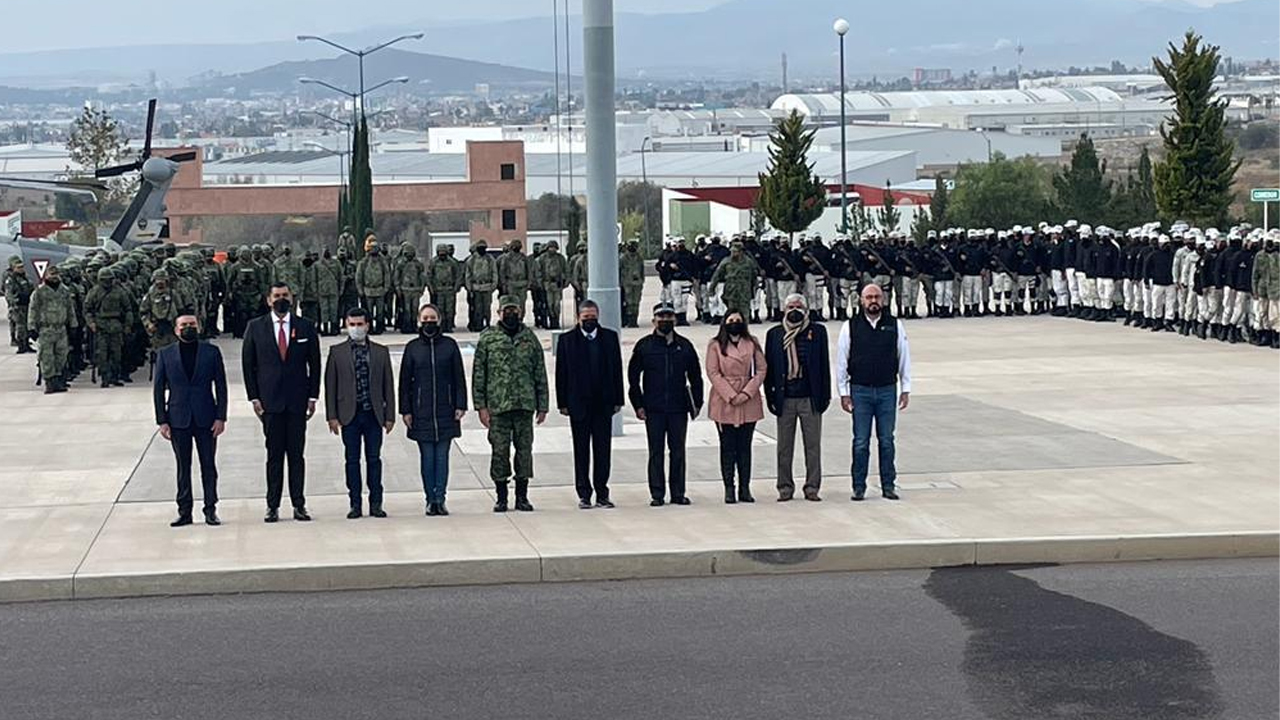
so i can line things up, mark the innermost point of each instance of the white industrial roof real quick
(823, 104)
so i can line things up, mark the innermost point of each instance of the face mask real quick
(430, 329)
(795, 316)
(188, 334)
(358, 334)
(282, 306)
(53, 282)
(510, 321)
(736, 328)
(590, 325)
(666, 327)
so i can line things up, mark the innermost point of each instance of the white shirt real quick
(589, 335)
(275, 327)
(842, 356)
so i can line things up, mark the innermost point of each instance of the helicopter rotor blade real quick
(183, 156)
(117, 170)
(151, 120)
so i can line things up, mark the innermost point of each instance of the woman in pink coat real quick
(735, 368)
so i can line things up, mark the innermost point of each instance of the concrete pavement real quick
(1028, 439)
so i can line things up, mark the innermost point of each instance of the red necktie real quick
(282, 342)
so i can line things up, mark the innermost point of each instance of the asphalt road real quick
(1117, 642)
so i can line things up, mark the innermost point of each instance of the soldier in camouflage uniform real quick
(329, 288)
(287, 269)
(73, 281)
(215, 280)
(553, 274)
(441, 277)
(107, 310)
(579, 270)
(480, 277)
(347, 241)
(631, 279)
(411, 279)
(308, 293)
(739, 273)
(50, 318)
(349, 295)
(17, 296)
(509, 385)
(515, 272)
(373, 280)
(242, 289)
(160, 311)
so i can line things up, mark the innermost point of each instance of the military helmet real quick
(245, 250)
(106, 274)
(159, 274)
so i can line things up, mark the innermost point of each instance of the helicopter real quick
(143, 223)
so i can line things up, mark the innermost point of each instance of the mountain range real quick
(740, 39)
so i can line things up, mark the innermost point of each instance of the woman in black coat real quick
(433, 399)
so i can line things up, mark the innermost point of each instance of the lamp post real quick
(361, 54)
(841, 27)
(644, 177)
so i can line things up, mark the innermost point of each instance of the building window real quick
(508, 219)
(508, 171)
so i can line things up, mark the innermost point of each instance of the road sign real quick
(40, 265)
(1265, 195)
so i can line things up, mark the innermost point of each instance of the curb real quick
(904, 555)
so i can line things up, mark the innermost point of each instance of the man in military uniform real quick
(50, 318)
(17, 296)
(631, 279)
(509, 386)
(215, 280)
(160, 310)
(242, 290)
(287, 269)
(480, 277)
(441, 278)
(737, 273)
(347, 241)
(329, 289)
(309, 289)
(554, 275)
(515, 273)
(349, 294)
(711, 305)
(411, 279)
(373, 280)
(107, 311)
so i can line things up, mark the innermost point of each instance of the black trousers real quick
(592, 448)
(286, 438)
(668, 428)
(206, 448)
(735, 451)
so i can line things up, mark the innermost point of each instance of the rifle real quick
(93, 356)
(955, 274)
(39, 375)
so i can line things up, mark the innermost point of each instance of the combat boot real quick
(1168, 326)
(59, 384)
(1233, 334)
(25, 348)
(730, 493)
(522, 496)
(500, 488)
(1275, 340)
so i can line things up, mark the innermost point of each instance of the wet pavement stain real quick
(1037, 653)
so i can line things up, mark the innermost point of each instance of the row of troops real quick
(1205, 283)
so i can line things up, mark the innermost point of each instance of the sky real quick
(117, 23)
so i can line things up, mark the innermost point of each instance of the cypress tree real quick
(1193, 180)
(938, 204)
(791, 195)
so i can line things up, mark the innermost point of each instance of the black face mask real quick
(795, 316)
(188, 334)
(666, 327)
(736, 328)
(590, 325)
(510, 321)
(53, 282)
(282, 306)
(430, 329)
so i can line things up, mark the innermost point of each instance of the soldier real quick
(441, 278)
(579, 273)
(552, 269)
(17, 296)
(242, 290)
(347, 241)
(814, 260)
(73, 281)
(160, 311)
(631, 280)
(509, 385)
(737, 273)
(349, 294)
(309, 289)
(107, 310)
(711, 304)
(373, 279)
(1266, 289)
(515, 273)
(1241, 284)
(287, 269)
(50, 318)
(411, 280)
(329, 289)
(1186, 281)
(908, 264)
(480, 277)
(216, 282)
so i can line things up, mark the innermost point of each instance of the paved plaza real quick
(1028, 439)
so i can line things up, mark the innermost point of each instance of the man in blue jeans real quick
(873, 374)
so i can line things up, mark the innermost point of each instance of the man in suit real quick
(190, 396)
(358, 402)
(589, 392)
(281, 361)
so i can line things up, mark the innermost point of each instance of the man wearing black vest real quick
(589, 393)
(872, 358)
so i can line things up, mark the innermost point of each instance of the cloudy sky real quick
(102, 23)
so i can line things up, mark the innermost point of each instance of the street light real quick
(841, 26)
(644, 176)
(353, 95)
(342, 174)
(360, 54)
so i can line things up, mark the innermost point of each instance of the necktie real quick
(282, 342)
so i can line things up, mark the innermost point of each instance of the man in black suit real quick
(281, 360)
(589, 392)
(190, 396)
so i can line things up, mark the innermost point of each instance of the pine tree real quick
(1084, 192)
(791, 195)
(1193, 180)
(921, 224)
(938, 204)
(889, 215)
(759, 223)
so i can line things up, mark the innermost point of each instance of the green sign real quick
(1265, 195)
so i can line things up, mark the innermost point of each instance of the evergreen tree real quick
(938, 204)
(573, 224)
(759, 223)
(360, 202)
(1193, 180)
(791, 195)
(1084, 193)
(889, 215)
(860, 220)
(1000, 193)
(921, 224)
(1144, 190)
(95, 142)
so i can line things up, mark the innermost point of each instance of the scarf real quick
(789, 334)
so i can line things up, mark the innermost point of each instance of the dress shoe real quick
(680, 501)
(441, 510)
(377, 511)
(301, 515)
(182, 521)
(354, 513)
(432, 510)
(730, 497)
(656, 502)
(604, 503)
(273, 515)
(584, 504)
(889, 494)
(859, 495)
(744, 493)
(211, 518)
(785, 496)
(812, 497)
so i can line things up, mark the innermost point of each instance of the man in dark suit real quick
(359, 397)
(589, 392)
(190, 396)
(281, 361)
